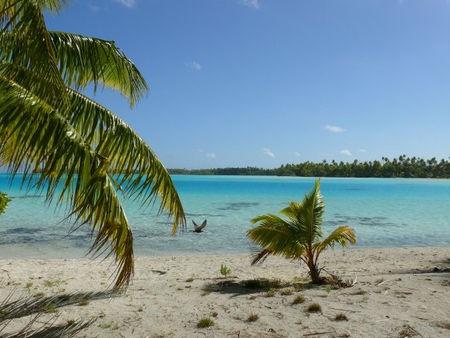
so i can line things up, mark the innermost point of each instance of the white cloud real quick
(211, 155)
(362, 150)
(251, 3)
(93, 8)
(127, 3)
(194, 65)
(297, 154)
(268, 152)
(346, 152)
(334, 129)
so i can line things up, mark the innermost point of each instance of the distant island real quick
(403, 166)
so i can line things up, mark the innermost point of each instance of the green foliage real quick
(205, 322)
(80, 152)
(271, 293)
(4, 200)
(402, 166)
(225, 270)
(298, 235)
(314, 307)
(287, 292)
(298, 300)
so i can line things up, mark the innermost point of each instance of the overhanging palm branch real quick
(85, 60)
(300, 236)
(83, 153)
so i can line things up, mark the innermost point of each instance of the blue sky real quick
(266, 82)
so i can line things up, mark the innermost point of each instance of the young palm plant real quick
(298, 236)
(77, 151)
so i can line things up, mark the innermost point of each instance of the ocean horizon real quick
(384, 213)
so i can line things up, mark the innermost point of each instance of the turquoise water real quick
(384, 213)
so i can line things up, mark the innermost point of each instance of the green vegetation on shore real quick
(298, 235)
(50, 130)
(402, 166)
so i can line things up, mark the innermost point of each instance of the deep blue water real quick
(384, 213)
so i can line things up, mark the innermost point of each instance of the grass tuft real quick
(205, 322)
(298, 300)
(189, 280)
(287, 292)
(270, 293)
(340, 317)
(314, 307)
(252, 318)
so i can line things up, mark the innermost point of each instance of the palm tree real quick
(299, 236)
(77, 151)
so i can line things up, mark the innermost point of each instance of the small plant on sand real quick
(225, 270)
(271, 293)
(298, 300)
(314, 307)
(340, 317)
(205, 322)
(298, 235)
(252, 318)
(49, 283)
(189, 280)
(287, 292)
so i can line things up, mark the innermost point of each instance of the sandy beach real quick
(398, 293)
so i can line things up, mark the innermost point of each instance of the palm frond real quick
(25, 41)
(84, 60)
(142, 174)
(276, 236)
(342, 235)
(311, 216)
(64, 161)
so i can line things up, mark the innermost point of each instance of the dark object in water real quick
(199, 228)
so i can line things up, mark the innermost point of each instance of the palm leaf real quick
(25, 41)
(342, 235)
(276, 236)
(141, 172)
(84, 60)
(64, 160)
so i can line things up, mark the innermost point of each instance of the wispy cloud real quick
(211, 155)
(362, 150)
(251, 3)
(296, 153)
(194, 65)
(268, 152)
(93, 7)
(346, 152)
(127, 3)
(334, 129)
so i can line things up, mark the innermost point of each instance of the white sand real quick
(391, 295)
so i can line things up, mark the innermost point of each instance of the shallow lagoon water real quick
(384, 213)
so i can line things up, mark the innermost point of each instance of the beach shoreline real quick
(396, 290)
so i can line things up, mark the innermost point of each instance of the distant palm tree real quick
(76, 150)
(299, 236)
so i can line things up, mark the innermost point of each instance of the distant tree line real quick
(402, 166)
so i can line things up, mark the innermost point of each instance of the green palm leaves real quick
(299, 234)
(74, 149)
